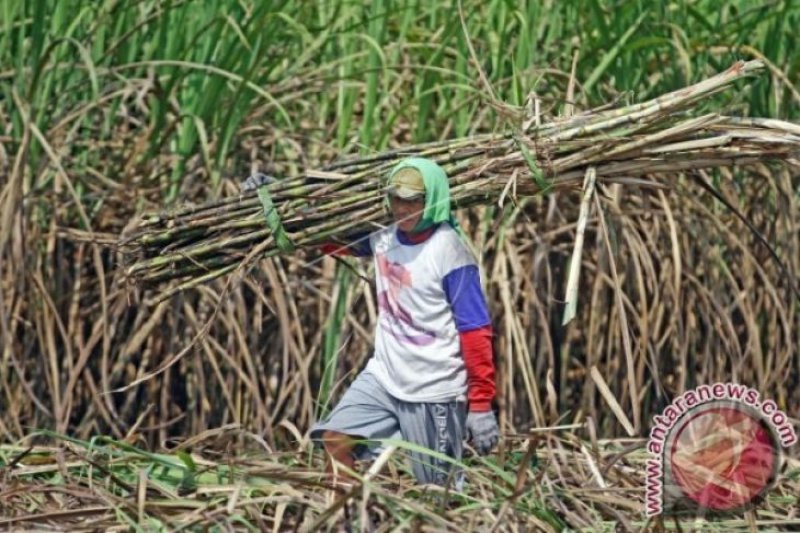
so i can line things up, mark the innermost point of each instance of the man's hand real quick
(482, 427)
(256, 180)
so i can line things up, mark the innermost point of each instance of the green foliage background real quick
(198, 78)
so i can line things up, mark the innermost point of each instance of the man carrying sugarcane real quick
(430, 380)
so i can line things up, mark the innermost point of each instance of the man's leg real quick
(365, 413)
(340, 451)
(438, 427)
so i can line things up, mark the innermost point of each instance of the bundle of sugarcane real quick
(624, 145)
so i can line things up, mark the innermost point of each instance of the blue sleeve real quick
(359, 245)
(462, 287)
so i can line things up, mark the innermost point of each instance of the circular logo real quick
(722, 456)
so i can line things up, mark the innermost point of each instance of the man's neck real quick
(411, 237)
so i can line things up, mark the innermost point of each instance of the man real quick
(431, 378)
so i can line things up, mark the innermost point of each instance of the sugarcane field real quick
(395, 265)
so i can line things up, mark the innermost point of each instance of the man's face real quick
(406, 212)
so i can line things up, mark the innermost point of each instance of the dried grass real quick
(548, 480)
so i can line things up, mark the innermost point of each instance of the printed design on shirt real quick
(397, 278)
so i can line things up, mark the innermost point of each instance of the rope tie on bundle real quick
(274, 223)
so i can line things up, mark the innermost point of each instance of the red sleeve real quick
(330, 248)
(476, 346)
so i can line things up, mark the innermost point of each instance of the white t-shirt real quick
(417, 347)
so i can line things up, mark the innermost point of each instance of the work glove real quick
(482, 428)
(257, 180)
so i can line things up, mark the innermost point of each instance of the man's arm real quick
(463, 290)
(358, 246)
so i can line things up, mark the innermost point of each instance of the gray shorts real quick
(367, 411)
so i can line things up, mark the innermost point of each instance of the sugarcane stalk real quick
(194, 244)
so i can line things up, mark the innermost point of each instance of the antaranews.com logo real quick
(715, 448)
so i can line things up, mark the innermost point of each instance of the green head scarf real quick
(437, 193)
